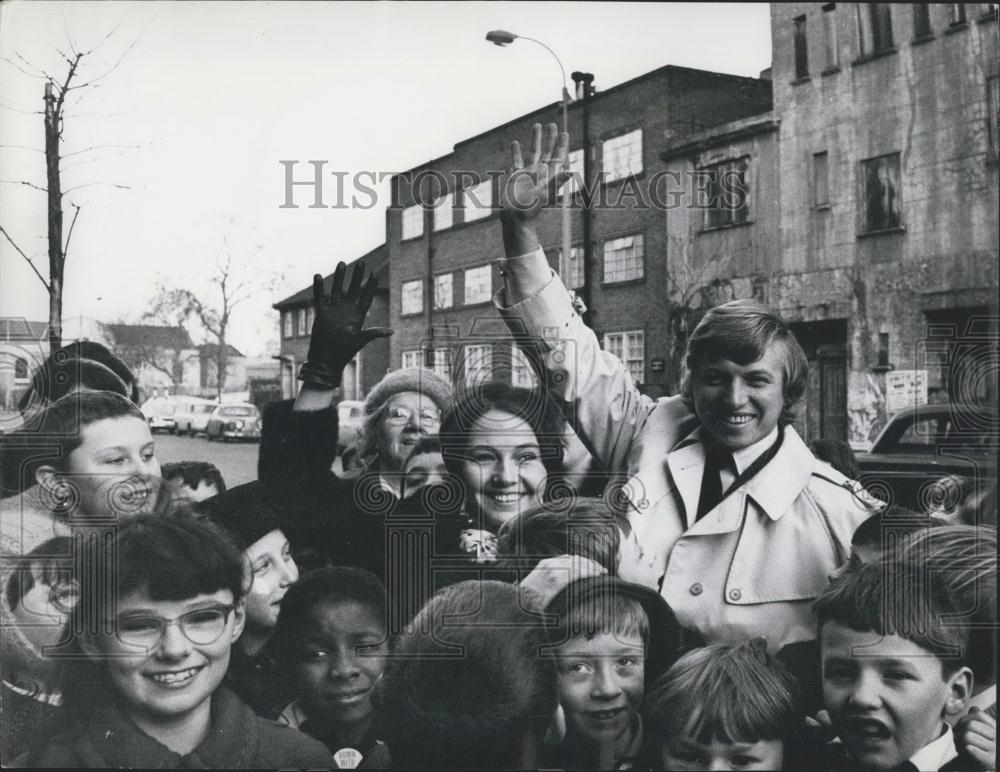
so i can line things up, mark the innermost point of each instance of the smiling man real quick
(743, 522)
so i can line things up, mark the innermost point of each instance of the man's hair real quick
(888, 598)
(741, 331)
(172, 557)
(465, 681)
(531, 405)
(193, 473)
(589, 528)
(731, 693)
(880, 529)
(837, 454)
(337, 584)
(66, 418)
(588, 614)
(964, 559)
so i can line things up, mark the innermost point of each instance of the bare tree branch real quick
(19, 110)
(28, 259)
(24, 147)
(91, 184)
(16, 66)
(23, 182)
(100, 147)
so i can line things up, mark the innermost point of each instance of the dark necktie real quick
(716, 459)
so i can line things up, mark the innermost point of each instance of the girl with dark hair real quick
(145, 663)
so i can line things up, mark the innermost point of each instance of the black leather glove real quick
(337, 333)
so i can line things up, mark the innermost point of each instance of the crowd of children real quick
(461, 603)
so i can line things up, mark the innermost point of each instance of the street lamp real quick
(502, 38)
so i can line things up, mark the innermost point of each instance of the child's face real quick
(114, 469)
(886, 695)
(169, 677)
(634, 565)
(342, 656)
(274, 572)
(43, 610)
(600, 684)
(684, 753)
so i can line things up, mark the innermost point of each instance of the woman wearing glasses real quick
(144, 688)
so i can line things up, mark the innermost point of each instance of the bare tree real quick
(56, 92)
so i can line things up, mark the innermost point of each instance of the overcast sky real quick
(215, 94)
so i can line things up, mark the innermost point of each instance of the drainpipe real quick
(584, 92)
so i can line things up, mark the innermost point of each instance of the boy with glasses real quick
(145, 662)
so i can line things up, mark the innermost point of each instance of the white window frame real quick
(443, 295)
(300, 316)
(310, 316)
(477, 359)
(411, 297)
(412, 358)
(478, 201)
(444, 211)
(478, 285)
(574, 274)
(723, 208)
(622, 155)
(624, 258)
(521, 372)
(630, 347)
(413, 222)
(288, 323)
(441, 362)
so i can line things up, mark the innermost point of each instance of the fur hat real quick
(417, 379)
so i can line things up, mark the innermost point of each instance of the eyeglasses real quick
(402, 415)
(201, 626)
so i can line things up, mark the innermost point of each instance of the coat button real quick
(735, 595)
(696, 589)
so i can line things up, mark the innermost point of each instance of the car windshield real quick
(238, 411)
(203, 409)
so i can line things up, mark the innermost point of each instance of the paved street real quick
(236, 460)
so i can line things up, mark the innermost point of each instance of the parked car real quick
(350, 418)
(159, 412)
(191, 416)
(921, 446)
(235, 421)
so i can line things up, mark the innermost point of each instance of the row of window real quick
(297, 322)
(622, 157)
(478, 289)
(873, 22)
(477, 360)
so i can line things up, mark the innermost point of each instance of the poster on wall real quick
(904, 389)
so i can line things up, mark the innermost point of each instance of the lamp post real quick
(502, 38)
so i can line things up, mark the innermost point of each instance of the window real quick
(623, 156)
(575, 166)
(728, 194)
(821, 179)
(413, 222)
(301, 316)
(309, 319)
(288, 323)
(443, 211)
(20, 369)
(623, 259)
(412, 301)
(574, 268)
(478, 364)
(442, 291)
(478, 285)
(921, 20)
(412, 358)
(882, 193)
(479, 201)
(630, 348)
(830, 36)
(801, 48)
(993, 105)
(521, 371)
(441, 362)
(874, 28)
(957, 13)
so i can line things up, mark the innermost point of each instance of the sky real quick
(182, 139)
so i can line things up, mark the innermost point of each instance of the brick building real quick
(443, 255)
(870, 215)
(296, 314)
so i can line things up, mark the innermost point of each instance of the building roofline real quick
(733, 131)
(306, 294)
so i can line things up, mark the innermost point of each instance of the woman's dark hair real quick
(466, 681)
(172, 557)
(532, 406)
(588, 527)
(337, 584)
(741, 331)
